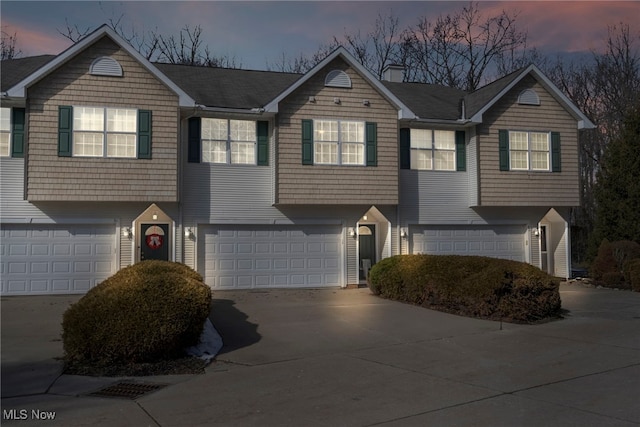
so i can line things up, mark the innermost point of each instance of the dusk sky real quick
(257, 33)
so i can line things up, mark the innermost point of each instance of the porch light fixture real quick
(312, 99)
(364, 217)
(366, 102)
(188, 233)
(336, 100)
(127, 232)
(536, 232)
(154, 216)
(403, 232)
(352, 232)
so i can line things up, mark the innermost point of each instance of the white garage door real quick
(54, 259)
(501, 241)
(245, 257)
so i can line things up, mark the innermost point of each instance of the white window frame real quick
(529, 151)
(343, 142)
(232, 152)
(425, 143)
(5, 131)
(103, 130)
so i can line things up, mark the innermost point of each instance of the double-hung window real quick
(104, 132)
(229, 141)
(5, 132)
(433, 149)
(338, 142)
(529, 150)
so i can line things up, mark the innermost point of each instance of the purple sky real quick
(256, 33)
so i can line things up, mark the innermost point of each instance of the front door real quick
(367, 244)
(154, 241)
(544, 254)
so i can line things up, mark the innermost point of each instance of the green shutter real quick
(461, 151)
(194, 140)
(263, 143)
(555, 152)
(503, 146)
(65, 130)
(17, 132)
(371, 138)
(144, 134)
(405, 148)
(307, 142)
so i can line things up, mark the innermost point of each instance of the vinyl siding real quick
(52, 178)
(320, 184)
(14, 209)
(524, 188)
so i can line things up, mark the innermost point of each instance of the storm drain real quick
(127, 390)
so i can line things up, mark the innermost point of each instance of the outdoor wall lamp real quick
(127, 233)
(403, 232)
(352, 232)
(536, 232)
(188, 233)
(336, 100)
(312, 99)
(366, 102)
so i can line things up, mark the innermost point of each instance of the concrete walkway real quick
(346, 358)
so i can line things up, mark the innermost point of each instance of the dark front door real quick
(154, 241)
(367, 242)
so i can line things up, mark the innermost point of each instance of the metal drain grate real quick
(127, 390)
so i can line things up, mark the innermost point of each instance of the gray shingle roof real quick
(474, 101)
(12, 71)
(429, 101)
(228, 88)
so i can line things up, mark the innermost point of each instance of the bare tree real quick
(379, 47)
(8, 46)
(460, 49)
(185, 48)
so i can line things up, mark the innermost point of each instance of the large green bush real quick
(147, 312)
(632, 274)
(472, 286)
(608, 267)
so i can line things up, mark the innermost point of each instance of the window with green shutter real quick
(521, 150)
(85, 131)
(339, 142)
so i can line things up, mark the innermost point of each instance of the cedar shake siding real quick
(312, 184)
(51, 177)
(528, 188)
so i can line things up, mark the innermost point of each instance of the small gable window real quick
(337, 78)
(105, 66)
(528, 97)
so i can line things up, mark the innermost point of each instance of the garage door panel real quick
(44, 259)
(269, 256)
(500, 241)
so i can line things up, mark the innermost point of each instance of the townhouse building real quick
(263, 179)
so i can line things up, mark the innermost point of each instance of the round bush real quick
(469, 285)
(147, 312)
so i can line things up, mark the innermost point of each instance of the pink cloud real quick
(35, 42)
(568, 26)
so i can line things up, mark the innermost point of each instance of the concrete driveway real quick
(346, 358)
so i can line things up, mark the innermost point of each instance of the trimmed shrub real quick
(147, 312)
(608, 268)
(468, 285)
(632, 274)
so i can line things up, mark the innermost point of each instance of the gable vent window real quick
(337, 78)
(105, 66)
(528, 97)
